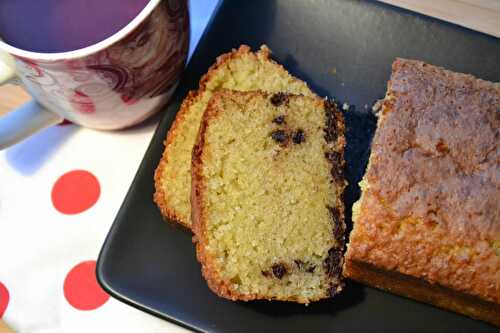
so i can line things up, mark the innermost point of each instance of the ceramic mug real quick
(113, 84)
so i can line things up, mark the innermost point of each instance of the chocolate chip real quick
(337, 174)
(334, 157)
(332, 115)
(311, 269)
(298, 137)
(338, 225)
(308, 267)
(335, 214)
(331, 264)
(330, 105)
(333, 290)
(299, 263)
(267, 274)
(279, 270)
(279, 120)
(279, 98)
(279, 136)
(338, 232)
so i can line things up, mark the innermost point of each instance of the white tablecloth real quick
(59, 193)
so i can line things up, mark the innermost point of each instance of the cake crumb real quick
(377, 107)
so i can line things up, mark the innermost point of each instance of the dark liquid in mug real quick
(63, 25)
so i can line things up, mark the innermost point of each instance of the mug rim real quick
(88, 50)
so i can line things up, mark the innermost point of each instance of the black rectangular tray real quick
(343, 49)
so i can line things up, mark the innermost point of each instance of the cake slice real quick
(427, 225)
(267, 184)
(238, 70)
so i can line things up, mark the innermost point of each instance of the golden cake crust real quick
(430, 207)
(160, 196)
(217, 284)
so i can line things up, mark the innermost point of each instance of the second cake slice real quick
(241, 70)
(266, 196)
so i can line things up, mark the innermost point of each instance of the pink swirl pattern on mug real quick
(122, 84)
(82, 102)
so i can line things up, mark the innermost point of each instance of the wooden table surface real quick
(11, 96)
(4, 328)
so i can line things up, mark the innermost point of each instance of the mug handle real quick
(26, 120)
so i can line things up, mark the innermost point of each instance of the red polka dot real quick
(75, 192)
(4, 299)
(81, 288)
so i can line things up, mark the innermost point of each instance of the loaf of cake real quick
(237, 70)
(427, 225)
(266, 196)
